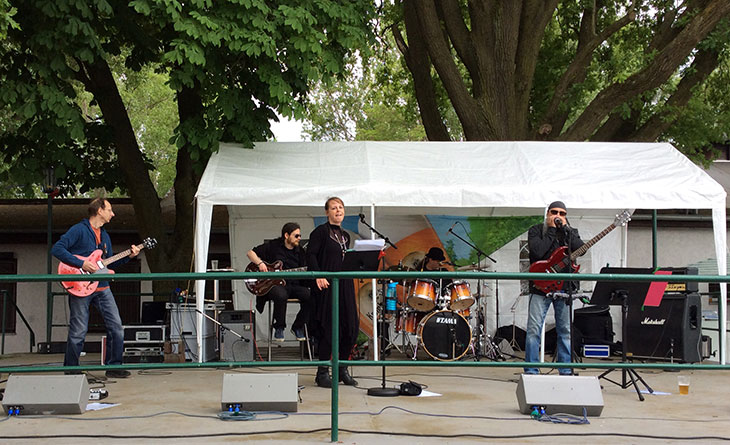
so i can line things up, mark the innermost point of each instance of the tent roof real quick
(457, 175)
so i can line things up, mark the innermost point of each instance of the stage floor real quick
(475, 404)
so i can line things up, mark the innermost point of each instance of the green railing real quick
(335, 361)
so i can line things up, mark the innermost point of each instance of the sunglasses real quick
(558, 212)
(297, 236)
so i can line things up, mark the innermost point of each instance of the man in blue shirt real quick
(82, 239)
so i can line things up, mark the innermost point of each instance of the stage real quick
(476, 404)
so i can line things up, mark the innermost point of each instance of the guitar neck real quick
(120, 255)
(584, 248)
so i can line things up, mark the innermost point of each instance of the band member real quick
(82, 239)
(287, 250)
(434, 261)
(326, 252)
(543, 239)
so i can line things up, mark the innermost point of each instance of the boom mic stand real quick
(382, 391)
(482, 323)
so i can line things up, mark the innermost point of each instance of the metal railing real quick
(7, 300)
(335, 361)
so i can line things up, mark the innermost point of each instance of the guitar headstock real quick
(622, 218)
(149, 243)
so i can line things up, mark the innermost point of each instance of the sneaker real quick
(299, 334)
(279, 334)
(118, 374)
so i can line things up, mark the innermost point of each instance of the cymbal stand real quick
(513, 342)
(492, 351)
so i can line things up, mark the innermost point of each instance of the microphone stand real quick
(482, 325)
(381, 391)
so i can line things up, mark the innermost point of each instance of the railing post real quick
(654, 256)
(5, 302)
(335, 359)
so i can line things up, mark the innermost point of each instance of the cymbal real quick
(471, 267)
(400, 268)
(413, 259)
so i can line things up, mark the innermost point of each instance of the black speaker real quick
(670, 331)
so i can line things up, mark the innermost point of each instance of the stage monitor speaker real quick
(560, 394)
(46, 394)
(260, 392)
(233, 349)
(670, 331)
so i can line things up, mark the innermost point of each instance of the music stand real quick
(361, 260)
(618, 293)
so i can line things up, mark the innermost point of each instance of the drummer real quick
(434, 261)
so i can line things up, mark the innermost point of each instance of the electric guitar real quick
(561, 262)
(86, 288)
(262, 286)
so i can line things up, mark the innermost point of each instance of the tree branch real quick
(440, 54)
(705, 62)
(576, 71)
(416, 57)
(656, 73)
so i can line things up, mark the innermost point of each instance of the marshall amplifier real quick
(670, 331)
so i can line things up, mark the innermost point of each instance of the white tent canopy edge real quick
(477, 177)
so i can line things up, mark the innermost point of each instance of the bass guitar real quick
(262, 286)
(561, 262)
(86, 288)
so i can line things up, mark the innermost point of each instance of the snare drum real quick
(444, 335)
(459, 295)
(423, 295)
(408, 321)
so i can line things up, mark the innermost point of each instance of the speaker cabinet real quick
(560, 394)
(233, 348)
(46, 394)
(260, 392)
(670, 331)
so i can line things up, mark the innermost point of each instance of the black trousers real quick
(279, 295)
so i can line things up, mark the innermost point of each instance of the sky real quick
(287, 130)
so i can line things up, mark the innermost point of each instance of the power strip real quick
(98, 394)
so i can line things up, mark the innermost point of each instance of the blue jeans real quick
(539, 306)
(78, 325)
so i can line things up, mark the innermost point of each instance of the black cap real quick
(436, 254)
(557, 205)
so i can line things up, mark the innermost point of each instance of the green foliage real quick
(238, 61)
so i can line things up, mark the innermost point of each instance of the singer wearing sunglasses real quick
(543, 239)
(327, 246)
(287, 250)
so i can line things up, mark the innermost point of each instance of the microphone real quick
(362, 217)
(452, 227)
(558, 222)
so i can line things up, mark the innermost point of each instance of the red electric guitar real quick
(86, 288)
(261, 286)
(561, 262)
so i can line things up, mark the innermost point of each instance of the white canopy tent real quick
(458, 178)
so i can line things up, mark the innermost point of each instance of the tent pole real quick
(654, 259)
(376, 349)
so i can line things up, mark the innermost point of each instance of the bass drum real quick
(444, 335)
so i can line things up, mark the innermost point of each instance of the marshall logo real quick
(654, 321)
(444, 320)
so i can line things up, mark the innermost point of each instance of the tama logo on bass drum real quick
(445, 320)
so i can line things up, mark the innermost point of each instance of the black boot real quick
(323, 379)
(346, 378)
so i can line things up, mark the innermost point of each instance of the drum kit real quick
(439, 317)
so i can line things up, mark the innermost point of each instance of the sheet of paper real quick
(656, 290)
(425, 393)
(96, 406)
(364, 245)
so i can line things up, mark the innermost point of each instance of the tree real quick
(230, 65)
(613, 70)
